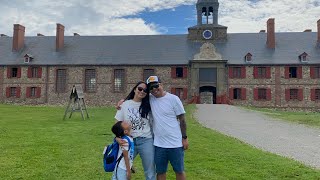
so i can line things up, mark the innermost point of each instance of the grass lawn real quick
(306, 118)
(35, 143)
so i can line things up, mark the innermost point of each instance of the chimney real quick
(3, 35)
(18, 37)
(76, 34)
(308, 30)
(271, 40)
(59, 37)
(39, 34)
(262, 31)
(318, 23)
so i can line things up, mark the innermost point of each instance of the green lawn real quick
(35, 143)
(306, 118)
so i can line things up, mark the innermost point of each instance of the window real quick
(118, 80)
(236, 93)
(293, 72)
(236, 73)
(317, 94)
(248, 57)
(179, 92)
(179, 72)
(90, 80)
(262, 94)
(33, 92)
(317, 72)
(14, 72)
(34, 72)
(61, 80)
(293, 94)
(13, 92)
(262, 72)
(147, 73)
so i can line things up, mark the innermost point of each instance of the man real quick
(169, 127)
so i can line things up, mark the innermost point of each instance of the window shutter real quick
(29, 73)
(313, 94)
(230, 72)
(39, 72)
(28, 92)
(255, 94)
(185, 93)
(255, 72)
(243, 72)
(8, 92)
(243, 93)
(286, 72)
(38, 95)
(18, 92)
(287, 94)
(19, 72)
(173, 90)
(185, 72)
(231, 93)
(268, 94)
(173, 72)
(300, 94)
(312, 73)
(268, 72)
(300, 72)
(8, 72)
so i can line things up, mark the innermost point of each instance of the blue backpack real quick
(110, 155)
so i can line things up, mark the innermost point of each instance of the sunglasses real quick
(154, 86)
(142, 89)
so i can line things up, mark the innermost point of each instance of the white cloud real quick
(110, 17)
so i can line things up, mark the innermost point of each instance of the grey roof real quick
(159, 49)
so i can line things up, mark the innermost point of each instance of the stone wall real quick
(104, 94)
(278, 83)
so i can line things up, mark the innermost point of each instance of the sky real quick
(148, 17)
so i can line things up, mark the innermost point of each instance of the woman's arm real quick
(126, 160)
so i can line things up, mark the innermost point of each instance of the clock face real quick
(207, 34)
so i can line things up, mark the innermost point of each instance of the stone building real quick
(207, 65)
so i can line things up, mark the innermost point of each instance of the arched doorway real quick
(208, 94)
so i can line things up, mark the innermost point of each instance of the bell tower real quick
(207, 28)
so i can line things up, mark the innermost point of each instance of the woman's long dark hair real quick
(144, 108)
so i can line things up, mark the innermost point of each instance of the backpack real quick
(110, 155)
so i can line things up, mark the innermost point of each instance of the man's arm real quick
(183, 127)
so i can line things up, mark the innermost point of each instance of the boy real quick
(122, 171)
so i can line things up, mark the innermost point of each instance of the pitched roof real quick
(159, 49)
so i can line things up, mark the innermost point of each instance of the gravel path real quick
(287, 139)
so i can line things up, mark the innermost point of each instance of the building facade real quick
(207, 65)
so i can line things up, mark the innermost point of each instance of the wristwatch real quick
(184, 137)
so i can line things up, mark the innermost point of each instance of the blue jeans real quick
(144, 147)
(121, 174)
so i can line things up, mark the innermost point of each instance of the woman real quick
(136, 110)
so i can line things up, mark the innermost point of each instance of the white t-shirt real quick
(122, 163)
(166, 127)
(129, 112)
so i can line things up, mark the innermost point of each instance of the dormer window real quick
(303, 57)
(27, 58)
(248, 57)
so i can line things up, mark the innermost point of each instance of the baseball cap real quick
(153, 79)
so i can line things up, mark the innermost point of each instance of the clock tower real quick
(207, 28)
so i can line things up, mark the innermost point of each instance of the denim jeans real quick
(121, 174)
(144, 147)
